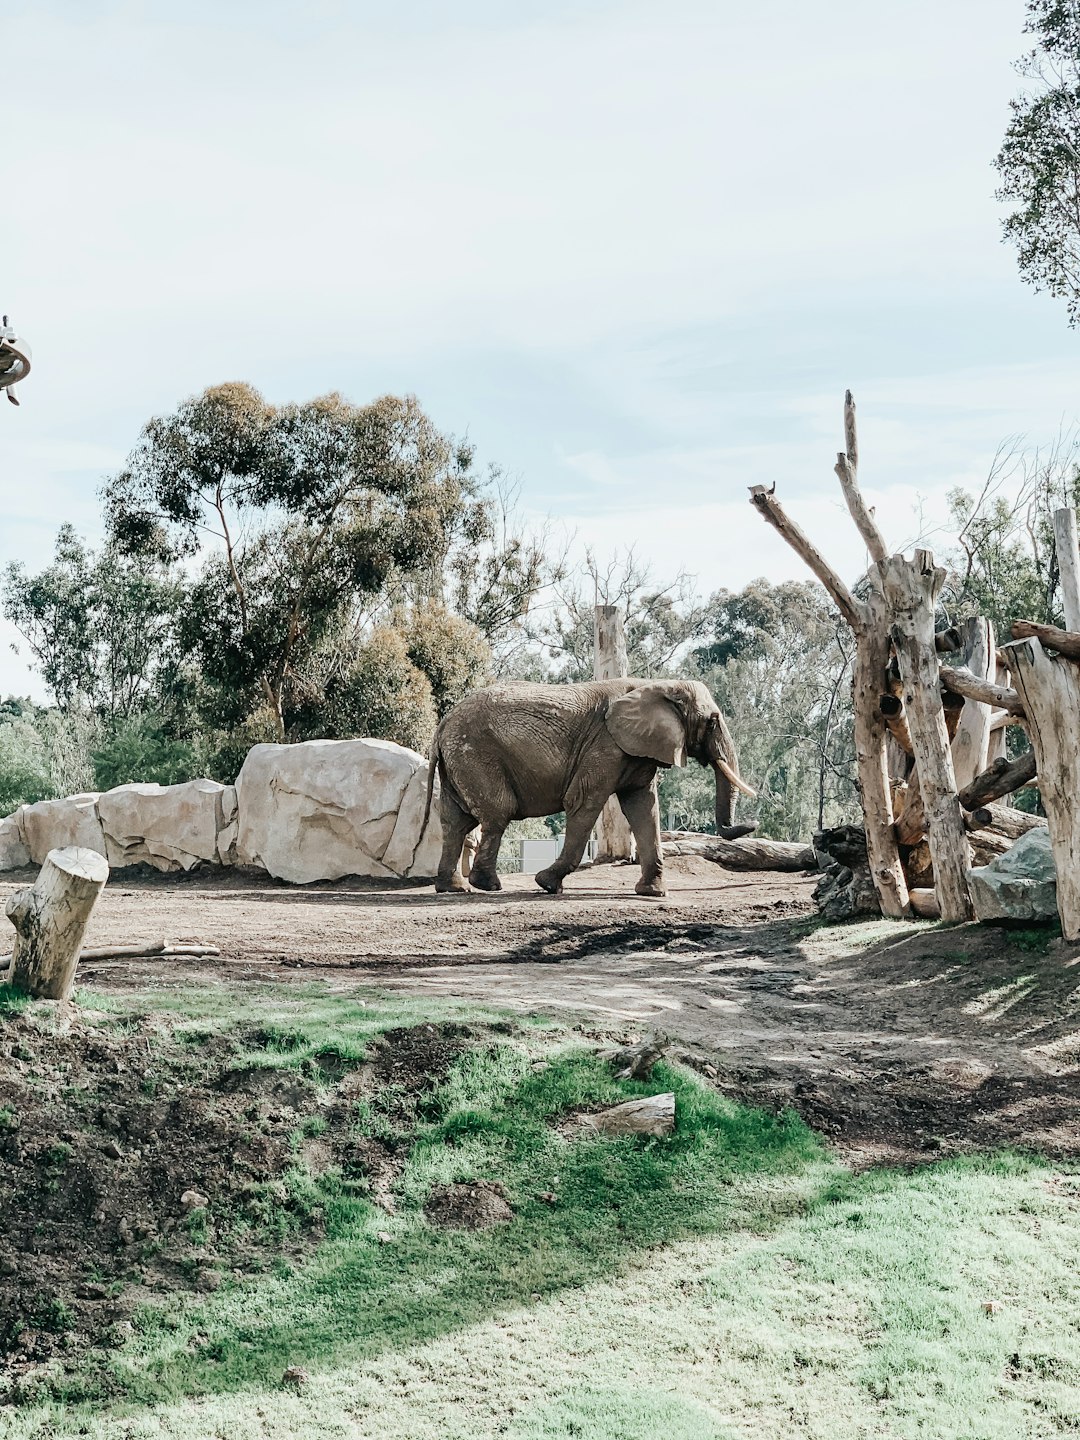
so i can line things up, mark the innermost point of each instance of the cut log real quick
(614, 838)
(953, 707)
(1050, 690)
(1004, 820)
(1065, 642)
(1068, 558)
(948, 641)
(652, 1115)
(961, 681)
(912, 587)
(892, 712)
(924, 904)
(910, 814)
(1000, 778)
(750, 853)
(50, 918)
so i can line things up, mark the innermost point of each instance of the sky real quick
(635, 251)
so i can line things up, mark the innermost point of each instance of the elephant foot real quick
(549, 880)
(481, 880)
(454, 886)
(735, 832)
(654, 888)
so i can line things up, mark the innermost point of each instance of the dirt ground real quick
(899, 1042)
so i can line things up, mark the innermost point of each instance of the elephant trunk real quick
(728, 782)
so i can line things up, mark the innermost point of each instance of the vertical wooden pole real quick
(614, 840)
(867, 680)
(1068, 557)
(911, 587)
(972, 739)
(1050, 690)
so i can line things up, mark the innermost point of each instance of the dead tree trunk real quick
(1068, 558)
(911, 587)
(972, 739)
(1050, 690)
(614, 840)
(50, 918)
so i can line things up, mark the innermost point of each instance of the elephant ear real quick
(644, 722)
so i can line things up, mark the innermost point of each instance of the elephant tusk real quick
(736, 779)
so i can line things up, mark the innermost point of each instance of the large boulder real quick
(171, 827)
(326, 808)
(1019, 885)
(54, 824)
(13, 852)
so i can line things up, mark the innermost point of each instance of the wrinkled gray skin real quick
(519, 749)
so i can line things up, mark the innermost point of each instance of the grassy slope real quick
(732, 1281)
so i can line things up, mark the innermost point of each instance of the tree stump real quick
(1050, 690)
(50, 918)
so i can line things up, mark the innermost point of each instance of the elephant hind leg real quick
(456, 825)
(484, 874)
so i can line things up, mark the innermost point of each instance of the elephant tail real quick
(434, 762)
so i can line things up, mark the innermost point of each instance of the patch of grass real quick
(12, 1001)
(730, 1283)
(1034, 941)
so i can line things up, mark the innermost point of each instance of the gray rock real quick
(1019, 885)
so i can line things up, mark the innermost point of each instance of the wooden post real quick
(614, 840)
(972, 739)
(1068, 558)
(911, 588)
(997, 746)
(1050, 690)
(50, 918)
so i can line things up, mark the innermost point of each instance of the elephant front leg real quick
(642, 811)
(579, 826)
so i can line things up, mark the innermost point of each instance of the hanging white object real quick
(14, 359)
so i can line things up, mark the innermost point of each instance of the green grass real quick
(730, 1283)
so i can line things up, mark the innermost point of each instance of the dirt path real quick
(899, 1041)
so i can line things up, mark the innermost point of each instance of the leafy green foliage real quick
(24, 766)
(139, 750)
(1039, 161)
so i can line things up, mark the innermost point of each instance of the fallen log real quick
(946, 641)
(961, 681)
(50, 918)
(750, 853)
(1065, 642)
(1001, 778)
(1004, 820)
(162, 951)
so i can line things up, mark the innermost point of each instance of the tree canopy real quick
(1039, 160)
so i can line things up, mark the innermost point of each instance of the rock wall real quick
(314, 811)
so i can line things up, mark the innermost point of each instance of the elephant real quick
(521, 749)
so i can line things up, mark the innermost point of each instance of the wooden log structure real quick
(614, 839)
(1050, 690)
(869, 622)
(971, 742)
(50, 919)
(1065, 642)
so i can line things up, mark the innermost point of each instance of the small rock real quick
(121, 1332)
(91, 1292)
(549, 1197)
(384, 1237)
(99, 1217)
(194, 1200)
(8, 1266)
(209, 1280)
(295, 1376)
(711, 1071)
(992, 1307)
(112, 1149)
